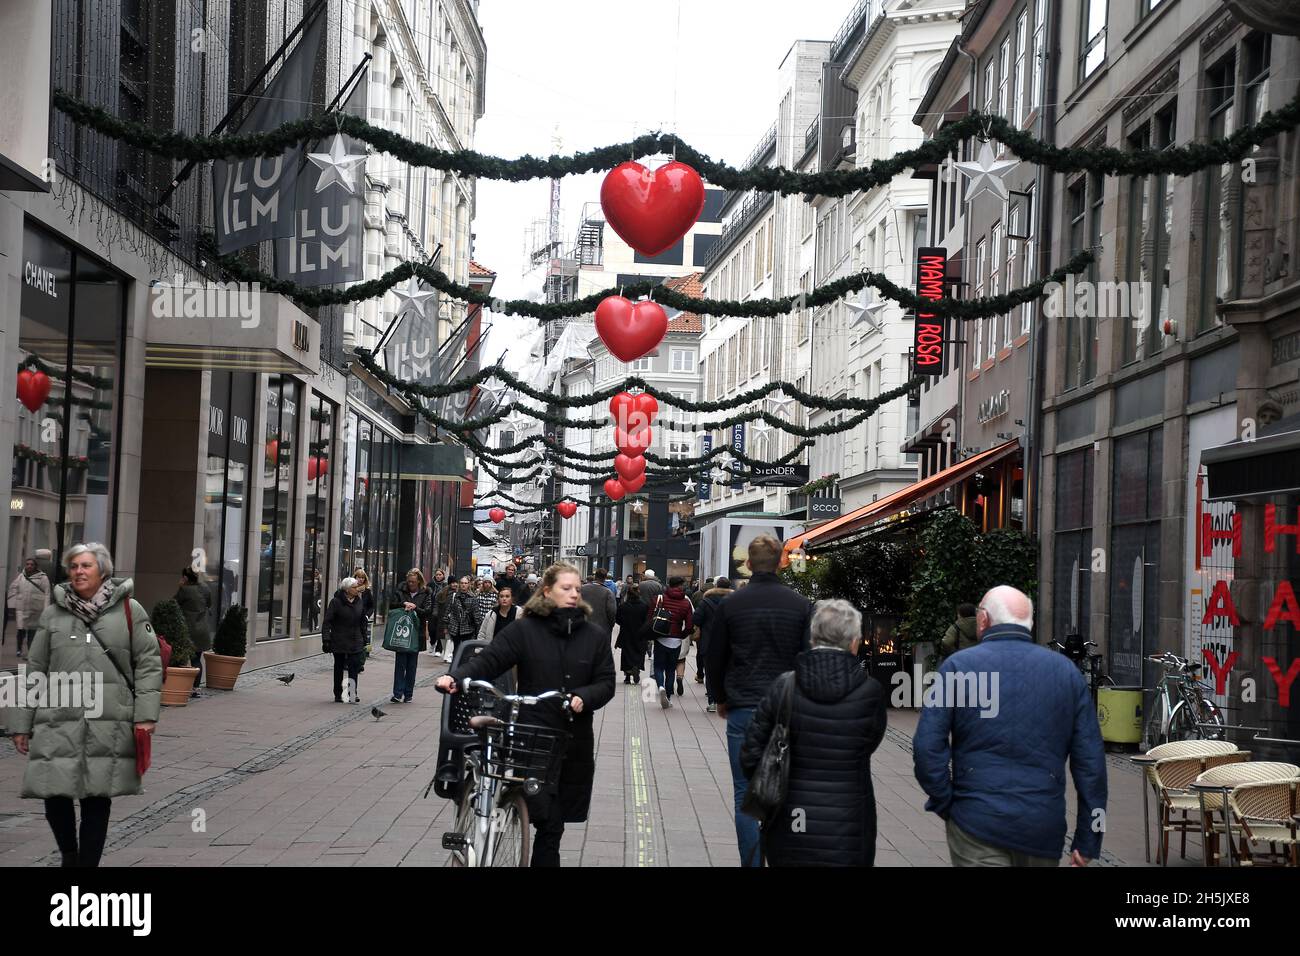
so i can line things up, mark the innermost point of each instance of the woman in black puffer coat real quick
(344, 632)
(837, 721)
(555, 647)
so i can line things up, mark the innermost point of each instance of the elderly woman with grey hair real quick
(837, 719)
(84, 749)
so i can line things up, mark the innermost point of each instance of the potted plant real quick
(169, 621)
(226, 658)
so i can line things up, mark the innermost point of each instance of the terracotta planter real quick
(222, 671)
(178, 686)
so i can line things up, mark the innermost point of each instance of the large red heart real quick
(632, 413)
(316, 467)
(630, 330)
(632, 445)
(652, 209)
(614, 489)
(497, 515)
(33, 388)
(273, 451)
(629, 467)
(567, 509)
(635, 484)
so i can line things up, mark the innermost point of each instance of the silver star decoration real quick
(867, 308)
(986, 172)
(548, 470)
(413, 298)
(336, 165)
(760, 427)
(636, 506)
(689, 484)
(779, 404)
(541, 481)
(720, 477)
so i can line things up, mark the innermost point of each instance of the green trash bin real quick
(1119, 712)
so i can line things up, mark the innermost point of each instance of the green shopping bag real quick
(402, 631)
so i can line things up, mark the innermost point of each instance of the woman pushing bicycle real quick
(554, 646)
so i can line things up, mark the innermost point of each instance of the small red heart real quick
(497, 515)
(652, 209)
(273, 451)
(632, 445)
(630, 330)
(631, 412)
(629, 467)
(567, 509)
(635, 484)
(614, 489)
(33, 388)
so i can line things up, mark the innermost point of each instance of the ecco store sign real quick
(819, 508)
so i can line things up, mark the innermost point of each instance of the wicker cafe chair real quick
(1266, 813)
(1188, 749)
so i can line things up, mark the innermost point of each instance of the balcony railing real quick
(764, 144)
(810, 137)
(864, 11)
(756, 203)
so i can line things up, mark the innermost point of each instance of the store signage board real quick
(928, 332)
(782, 476)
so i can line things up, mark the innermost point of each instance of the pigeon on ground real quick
(376, 713)
(285, 679)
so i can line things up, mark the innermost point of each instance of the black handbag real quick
(661, 625)
(771, 780)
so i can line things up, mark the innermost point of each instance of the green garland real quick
(58, 372)
(28, 453)
(964, 309)
(1177, 161)
(559, 452)
(818, 484)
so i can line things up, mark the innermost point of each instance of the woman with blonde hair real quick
(554, 647)
(367, 598)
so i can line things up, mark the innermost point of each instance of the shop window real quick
(279, 465)
(1220, 191)
(1134, 553)
(318, 513)
(230, 416)
(1072, 544)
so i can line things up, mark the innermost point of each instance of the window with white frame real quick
(1040, 53)
(680, 448)
(1092, 37)
(641, 364)
(990, 106)
(979, 291)
(1017, 111)
(683, 360)
(996, 256)
(1028, 263)
(1004, 76)
(1013, 251)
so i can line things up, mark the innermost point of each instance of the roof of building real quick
(477, 270)
(687, 285)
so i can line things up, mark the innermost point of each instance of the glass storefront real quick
(319, 510)
(276, 544)
(370, 499)
(65, 436)
(230, 416)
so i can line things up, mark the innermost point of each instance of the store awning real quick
(1260, 468)
(890, 505)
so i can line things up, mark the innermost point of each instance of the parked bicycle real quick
(513, 760)
(1088, 661)
(1186, 712)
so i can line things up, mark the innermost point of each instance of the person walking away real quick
(554, 647)
(602, 603)
(442, 592)
(463, 617)
(695, 593)
(650, 587)
(705, 615)
(195, 603)
(502, 617)
(29, 595)
(631, 620)
(667, 647)
(837, 719)
(961, 634)
(612, 586)
(994, 767)
(343, 634)
(93, 627)
(414, 596)
(756, 634)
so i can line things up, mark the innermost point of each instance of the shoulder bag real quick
(661, 625)
(771, 780)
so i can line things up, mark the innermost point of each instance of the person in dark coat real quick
(195, 603)
(442, 592)
(554, 647)
(631, 636)
(962, 633)
(367, 596)
(343, 634)
(705, 614)
(837, 719)
(411, 595)
(464, 616)
(602, 603)
(756, 635)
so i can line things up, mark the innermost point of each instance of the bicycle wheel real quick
(510, 836)
(1210, 715)
(1182, 723)
(464, 825)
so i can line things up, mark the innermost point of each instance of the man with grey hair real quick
(997, 775)
(837, 719)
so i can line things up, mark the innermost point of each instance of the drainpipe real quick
(958, 434)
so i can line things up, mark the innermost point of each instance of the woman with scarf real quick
(88, 754)
(554, 647)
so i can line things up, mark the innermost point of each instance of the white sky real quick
(603, 71)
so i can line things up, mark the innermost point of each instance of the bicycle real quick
(1192, 715)
(1089, 663)
(513, 761)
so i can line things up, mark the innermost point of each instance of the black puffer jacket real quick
(753, 639)
(555, 649)
(837, 722)
(344, 628)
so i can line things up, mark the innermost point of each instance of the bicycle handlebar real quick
(529, 699)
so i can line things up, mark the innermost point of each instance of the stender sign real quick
(928, 353)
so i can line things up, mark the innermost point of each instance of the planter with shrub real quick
(226, 659)
(169, 621)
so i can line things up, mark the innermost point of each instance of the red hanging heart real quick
(629, 467)
(635, 484)
(652, 208)
(567, 509)
(630, 330)
(497, 515)
(273, 451)
(33, 388)
(614, 489)
(632, 445)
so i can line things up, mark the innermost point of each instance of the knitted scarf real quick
(88, 611)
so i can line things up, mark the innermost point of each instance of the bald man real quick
(993, 739)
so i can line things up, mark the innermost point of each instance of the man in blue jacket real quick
(992, 742)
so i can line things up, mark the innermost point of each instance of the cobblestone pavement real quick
(282, 775)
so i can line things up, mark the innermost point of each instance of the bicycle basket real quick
(521, 752)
